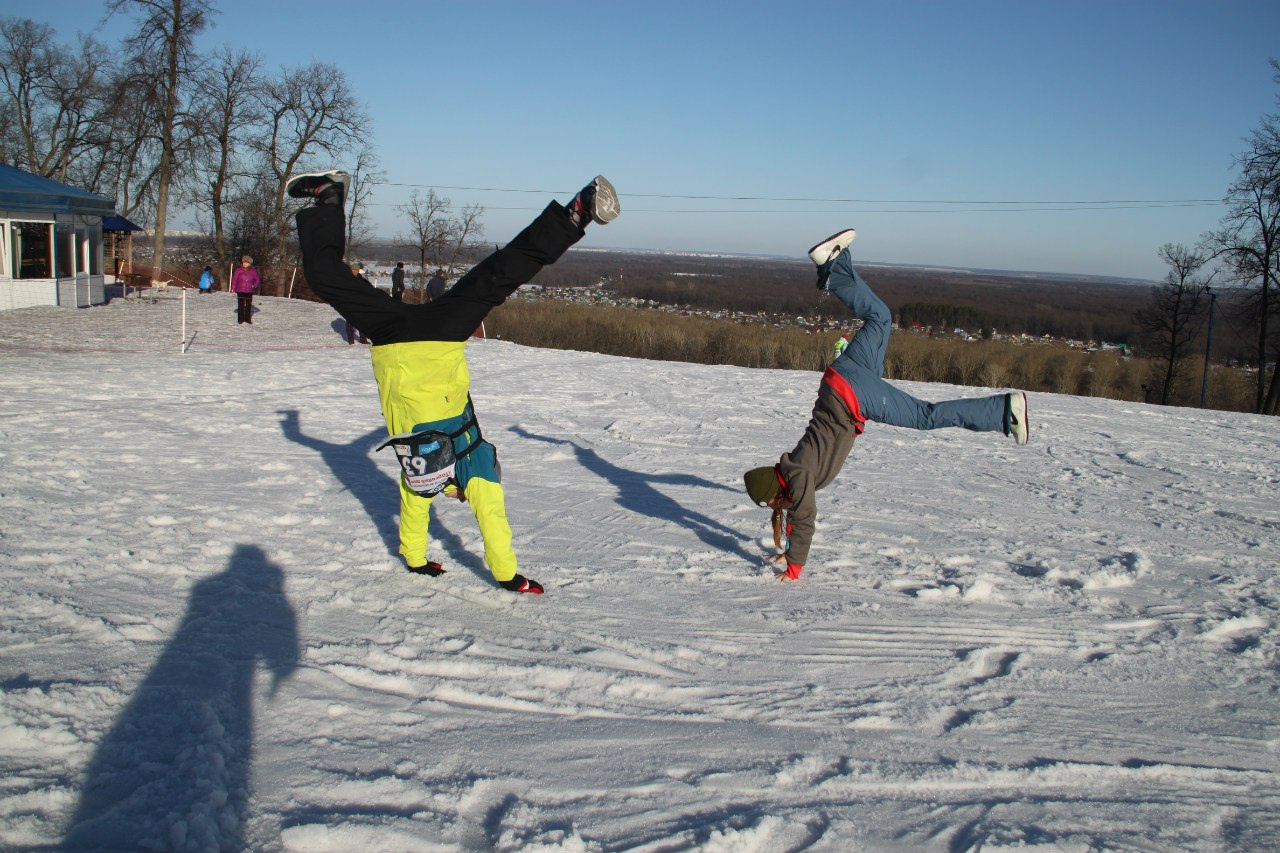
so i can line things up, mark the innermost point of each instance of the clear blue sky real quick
(877, 115)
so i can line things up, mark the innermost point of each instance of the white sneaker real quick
(1019, 426)
(601, 201)
(831, 247)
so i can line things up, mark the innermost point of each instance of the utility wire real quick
(1031, 207)
(1035, 204)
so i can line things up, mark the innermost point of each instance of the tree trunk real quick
(1262, 352)
(162, 212)
(172, 75)
(1267, 405)
(1168, 382)
(219, 238)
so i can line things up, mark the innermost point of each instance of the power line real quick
(1023, 204)
(1027, 207)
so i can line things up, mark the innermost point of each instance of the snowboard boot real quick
(1015, 417)
(325, 187)
(434, 570)
(597, 202)
(520, 583)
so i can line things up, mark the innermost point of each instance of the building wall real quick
(59, 264)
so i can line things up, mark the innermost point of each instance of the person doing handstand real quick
(418, 353)
(854, 391)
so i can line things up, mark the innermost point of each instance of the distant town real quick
(605, 293)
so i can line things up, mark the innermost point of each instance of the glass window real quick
(64, 249)
(32, 249)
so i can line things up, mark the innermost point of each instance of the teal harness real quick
(449, 452)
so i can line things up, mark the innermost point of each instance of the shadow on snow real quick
(377, 491)
(638, 493)
(173, 771)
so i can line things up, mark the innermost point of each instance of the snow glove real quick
(520, 583)
(431, 569)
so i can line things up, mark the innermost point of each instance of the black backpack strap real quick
(471, 421)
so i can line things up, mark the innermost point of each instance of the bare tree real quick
(250, 229)
(53, 97)
(27, 56)
(435, 234)
(68, 113)
(1172, 322)
(427, 217)
(130, 147)
(1248, 241)
(162, 48)
(226, 111)
(363, 177)
(309, 112)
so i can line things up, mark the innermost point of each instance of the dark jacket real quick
(435, 287)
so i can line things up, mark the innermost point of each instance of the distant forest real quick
(1061, 306)
(1075, 307)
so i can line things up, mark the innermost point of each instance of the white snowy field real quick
(208, 644)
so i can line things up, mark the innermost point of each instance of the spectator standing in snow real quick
(245, 282)
(435, 287)
(397, 282)
(419, 357)
(853, 391)
(206, 281)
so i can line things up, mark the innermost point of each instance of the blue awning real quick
(118, 223)
(23, 192)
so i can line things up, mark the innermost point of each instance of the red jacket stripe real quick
(844, 390)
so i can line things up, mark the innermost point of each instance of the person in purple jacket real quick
(245, 282)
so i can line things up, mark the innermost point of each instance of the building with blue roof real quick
(51, 241)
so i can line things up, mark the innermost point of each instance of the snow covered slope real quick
(208, 644)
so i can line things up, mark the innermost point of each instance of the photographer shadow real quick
(638, 493)
(174, 770)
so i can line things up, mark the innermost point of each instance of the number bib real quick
(427, 458)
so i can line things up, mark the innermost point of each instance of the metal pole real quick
(184, 321)
(1208, 350)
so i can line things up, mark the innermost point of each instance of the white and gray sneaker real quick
(598, 200)
(1016, 422)
(830, 248)
(328, 187)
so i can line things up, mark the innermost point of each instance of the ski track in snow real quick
(208, 643)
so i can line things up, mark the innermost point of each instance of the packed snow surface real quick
(209, 644)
